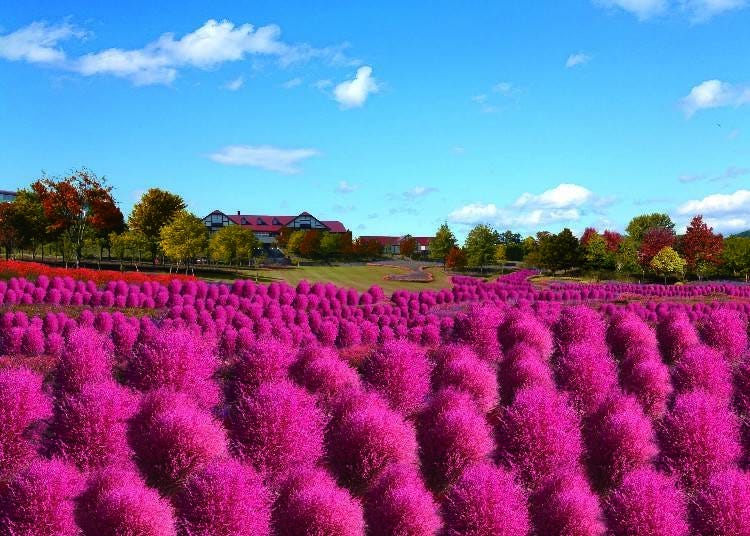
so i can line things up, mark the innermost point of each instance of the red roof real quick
(273, 224)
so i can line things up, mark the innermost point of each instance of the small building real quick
(267, 228)
(8, 195)
(392, 244)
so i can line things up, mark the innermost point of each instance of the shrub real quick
(321, 371)
(117, 502)
(486, 502)
(722, 508)
(179, 360)
(565, 506)
(87, 358)
(627, 330)
(676, 334)
(588, 373)
(452, 435)
(277, 428)
(523, 368)
(90, 427)
(649, 381)
(224, 498)
(725, 330)
(458, 367)
(23, 405)
(397, 504)
(311, 503)
(619, 439)
(699, 437)
(539, 435)
(579, 324)
(38, 501)
(172, 437)
(646, 503)
(702, 367)
(399, 370)
(264, 360)
(521, 325)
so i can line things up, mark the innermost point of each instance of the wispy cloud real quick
(419, 191)
(345, 188)
(265, 157)
(159, 61)
(294, 82)
(234, 85)
(697, 11)
(353, 93)
(580, 58)
(729, 174)
(715, 94)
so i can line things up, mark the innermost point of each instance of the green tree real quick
(640, 225)
(443, 242)
(152, 212)
(595, 252)
(184, 238)
(480, 246)
(131, 243)
(501, 255)
(233, 244)
(294, 241)
(667, 262)
(8, 231)
(626, 258)
(330, 245)
(736, 255)
(29, 221)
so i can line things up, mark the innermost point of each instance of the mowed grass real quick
(358, 277)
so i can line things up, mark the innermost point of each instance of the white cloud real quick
(505, 88)
(294, 82)
(322, 84)
(159, 61)
(263, 156)
(735, 204)
(563, 204)
(37, 42)
(643, 9)
(234, 85)
(714, 94)
(345, 188)
(419, 191)
(354, 93)
(702, 10)
(580, 58)
(730, 224)
(691, 177)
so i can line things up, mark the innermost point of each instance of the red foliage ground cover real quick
(32, 270)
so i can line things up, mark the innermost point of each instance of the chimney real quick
(238, 212)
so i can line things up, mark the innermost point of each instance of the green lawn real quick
(359, 277)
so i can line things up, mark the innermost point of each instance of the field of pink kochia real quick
(485, 409)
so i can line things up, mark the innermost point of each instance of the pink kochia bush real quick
(90, 427)
(647, 503)
(224, 498)
(364, 437)
(702, 367)
(722, 508)
(459, 367)
(588, 373)
(647, 378)
(619, 438)
(566, 506)
(539, 435)
(399, 370)
(38, 501)
(452, 435)
(486, 502)
(264, 360)
(87, 358)
(23, 405)
(178, 359)
(676, 334)
(277, 428)
(699, 437)
(521, 325)
(522, 368)
(117, 502)
(397, 504)
(726, 331)
(310, 503)
(172, 437)
(321, 371)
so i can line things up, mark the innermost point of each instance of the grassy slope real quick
(359, 277)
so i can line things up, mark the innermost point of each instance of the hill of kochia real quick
(483, 408)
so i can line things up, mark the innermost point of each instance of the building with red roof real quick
(267, 227)
(392, 244)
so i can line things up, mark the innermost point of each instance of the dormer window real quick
(276, 221)
(243, 221)
(261, 222)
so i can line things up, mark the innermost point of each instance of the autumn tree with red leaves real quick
(653, 242)
(613, 240)
(456, 259)
(701, 247)
(310, 245)
(408, 246)
(77, 204)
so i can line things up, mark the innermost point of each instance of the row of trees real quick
(322, 245)
(650, 245)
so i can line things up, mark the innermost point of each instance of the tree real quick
(667, 262)
(480, 246)
(513, 246)
(456, 259)
(736, 255)
(700, 247)
(500, 255)
(130, 243)
(29, 221)
(8, 231)
(567, 249)
(408, 246)
(184, 238)
(294, 241)
(330, 245)
(367, 249)
(76, 204)
(653, 242)
(613, 240)
(640, 225)
(595, 252)
(233, 243)
(310, 245)
(155, 209)
(587, 235)
(443, 243)
(626, 258)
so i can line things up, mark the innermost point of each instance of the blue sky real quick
(390, 116)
